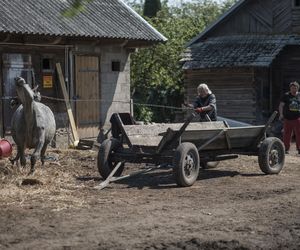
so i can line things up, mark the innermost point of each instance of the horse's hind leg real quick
(33, 160)
(37, 151)
(20, 154)
(22, 158)
(43, 151)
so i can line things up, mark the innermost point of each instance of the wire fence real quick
(75, 100)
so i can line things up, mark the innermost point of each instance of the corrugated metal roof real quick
(236, 51)
(100, 19)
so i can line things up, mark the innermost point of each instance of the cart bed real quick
(197, 133)
(151, 135)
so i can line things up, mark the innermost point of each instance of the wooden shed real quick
(247, 57)
(92, 47)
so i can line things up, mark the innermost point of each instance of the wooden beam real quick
(67, 102)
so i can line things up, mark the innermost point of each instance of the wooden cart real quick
(185, 146)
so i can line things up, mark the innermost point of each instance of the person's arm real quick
(210, 106)
(212, 102)
(280, 108)
(189, 105)
(207, 108)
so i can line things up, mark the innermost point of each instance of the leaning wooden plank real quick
(67, 101)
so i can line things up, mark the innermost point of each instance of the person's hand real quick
(187, 105)
(199, 110)
(281, 118)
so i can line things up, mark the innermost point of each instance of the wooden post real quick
(67, 102)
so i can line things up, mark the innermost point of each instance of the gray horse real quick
(33, 125)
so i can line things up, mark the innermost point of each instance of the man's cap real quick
(294, 84)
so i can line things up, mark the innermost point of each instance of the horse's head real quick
(24, 92)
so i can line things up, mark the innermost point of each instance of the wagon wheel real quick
(186, 164)
(209, 164)
(105, 163)
(271, 155)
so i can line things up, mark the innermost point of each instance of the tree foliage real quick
(156, 74)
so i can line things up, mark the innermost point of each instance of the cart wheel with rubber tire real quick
(186, 164)
(105, 163)
(271, 155)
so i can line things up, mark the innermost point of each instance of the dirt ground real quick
(234, 206)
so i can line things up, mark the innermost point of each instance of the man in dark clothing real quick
(205, 104)
(289, 112)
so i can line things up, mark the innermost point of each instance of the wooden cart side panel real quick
(197, 133)
(151, 135)
(239, 138)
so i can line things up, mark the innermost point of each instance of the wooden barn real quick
(93, 49)
(247, 57)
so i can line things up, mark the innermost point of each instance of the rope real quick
(104, 101)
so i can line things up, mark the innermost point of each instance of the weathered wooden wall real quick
(262, 17)
(286, 68)
(248, 94)
(235, 91)
(35, 72)
(296, 19)
(263, 92)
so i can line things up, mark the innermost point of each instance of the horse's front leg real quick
(37, 151)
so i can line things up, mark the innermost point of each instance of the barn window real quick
(115, 66)
(47, 64)
(296, 3)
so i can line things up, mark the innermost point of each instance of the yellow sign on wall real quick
(47, 82)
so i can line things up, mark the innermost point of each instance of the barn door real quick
(87, 91)
(14, 65)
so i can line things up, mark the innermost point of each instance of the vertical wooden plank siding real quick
(286, 68)
(87, 95)
(261, 17)
(296, 20)
(234, 90)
